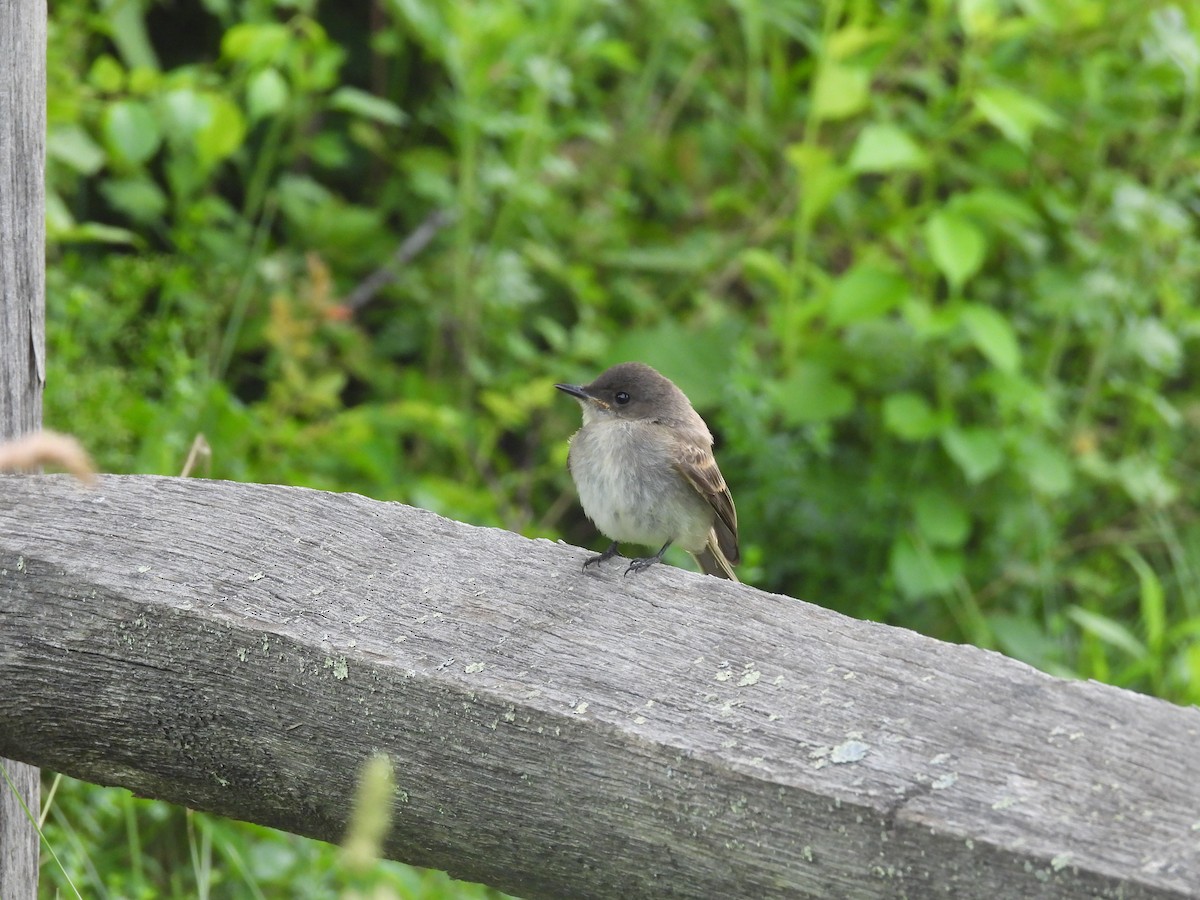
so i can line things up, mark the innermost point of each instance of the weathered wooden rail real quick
(243, 648)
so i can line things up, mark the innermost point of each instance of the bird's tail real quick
(713, 562)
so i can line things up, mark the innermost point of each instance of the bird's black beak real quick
(575, 390)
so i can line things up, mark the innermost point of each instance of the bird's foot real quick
(647, 561)
(637, 565)
(601, 557)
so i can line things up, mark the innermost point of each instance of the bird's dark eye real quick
(622, 398)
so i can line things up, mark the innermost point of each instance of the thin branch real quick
(412, 245)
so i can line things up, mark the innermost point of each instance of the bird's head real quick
(630, 391)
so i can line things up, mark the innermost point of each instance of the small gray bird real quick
(644, 468)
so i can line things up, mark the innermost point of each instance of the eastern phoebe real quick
(644, 468)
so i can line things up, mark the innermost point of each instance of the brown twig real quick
(412, 245)
(200, 450)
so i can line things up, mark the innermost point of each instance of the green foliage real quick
(113, 845)
(927, 270)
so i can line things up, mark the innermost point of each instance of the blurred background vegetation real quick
(929, 270)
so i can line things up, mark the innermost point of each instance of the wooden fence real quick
(244, 648)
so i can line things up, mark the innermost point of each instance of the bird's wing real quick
(699, 467)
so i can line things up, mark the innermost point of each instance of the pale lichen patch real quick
(944, 781)
(849, 752)
(341, 669)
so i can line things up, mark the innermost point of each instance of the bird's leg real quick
(647, 561)
(607, 554)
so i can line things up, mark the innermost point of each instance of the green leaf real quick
(427, 21)
(138, 197)
(978, 17)
(185, 112)
(266, 94)
(131, 132)
(205, 122)
(956, 246)
(886, 148)
(811, 394)
(224, 133)
(96, 233)
(1157, 345)
(1013, 114)
(58, 216)
(910, 417)
(1046, 468)
(993, 336)
(995, 207)
(941, 518)
(262, 43)
(977, 451)
(1144, 481)
(821, 179)
(920, 572)
(72, 145)
(841, 91)
(368, 106)
(761, 265)
(1023, 639)
(854, 40)
(1150, 594)
(125, 26)
(865, 292)
(691, 254)
(1107, 630)
(106, 75)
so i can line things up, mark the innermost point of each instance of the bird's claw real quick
(609, 553)
(638, 565)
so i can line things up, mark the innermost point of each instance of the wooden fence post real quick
(22, 340)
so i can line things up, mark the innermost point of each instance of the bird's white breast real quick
(630, 489)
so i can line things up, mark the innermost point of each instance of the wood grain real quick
(243, 648)
(22, 341)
